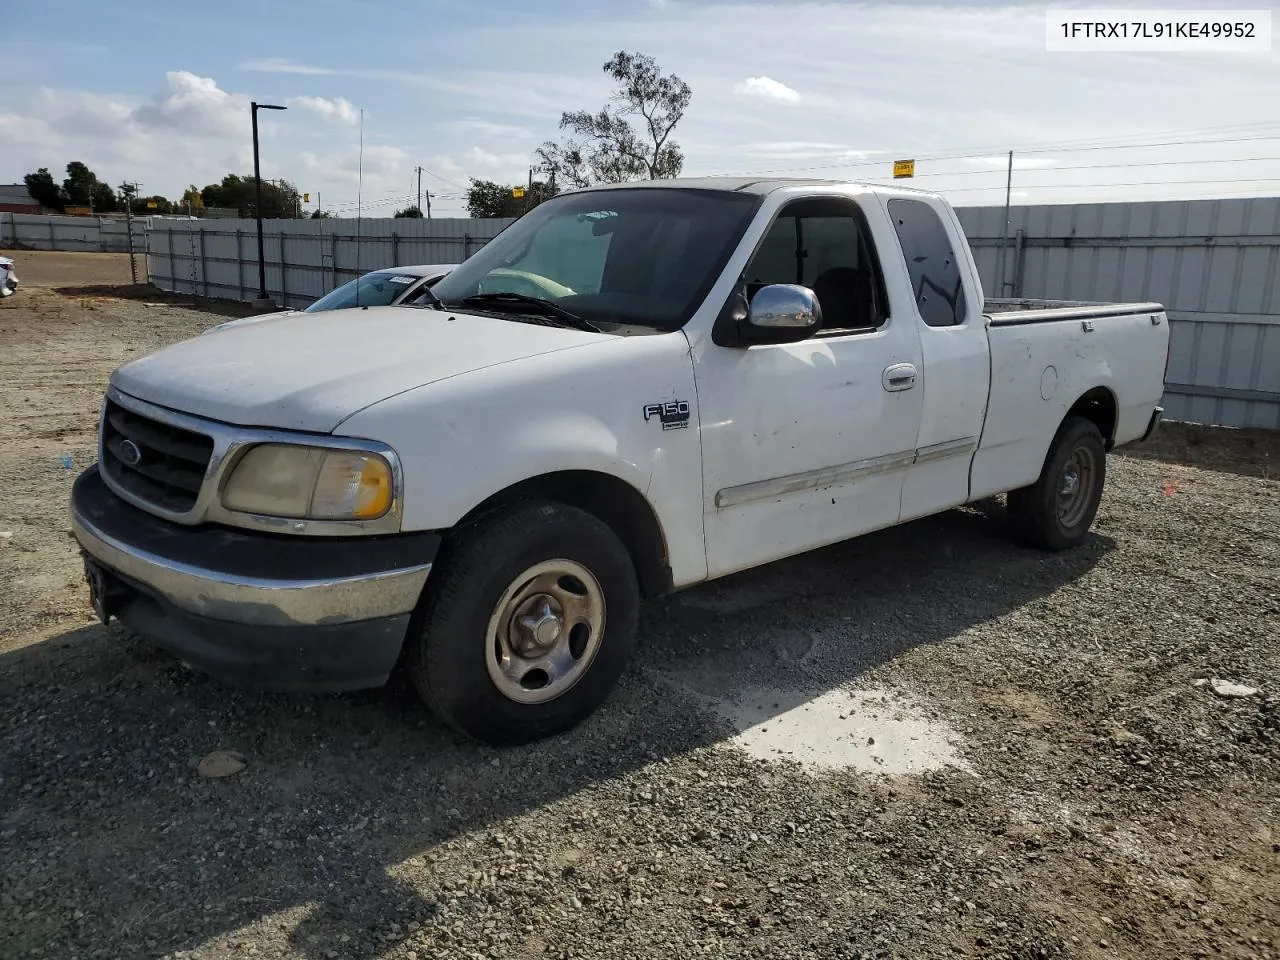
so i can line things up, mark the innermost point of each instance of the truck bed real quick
(1041, 367)
(1008, 313)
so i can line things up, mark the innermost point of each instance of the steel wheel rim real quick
(1075, 486)
(544, 632)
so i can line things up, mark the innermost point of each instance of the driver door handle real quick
(898, 376)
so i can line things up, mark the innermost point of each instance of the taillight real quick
(1168, 350)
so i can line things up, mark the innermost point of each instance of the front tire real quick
(1056, 511)
(527, 625)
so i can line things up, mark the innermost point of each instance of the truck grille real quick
(157, 463)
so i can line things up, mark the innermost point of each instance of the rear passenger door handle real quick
(898, 376)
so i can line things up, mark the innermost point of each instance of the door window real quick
(823, 244)
(931, 262)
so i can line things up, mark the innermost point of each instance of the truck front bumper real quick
(258, 609)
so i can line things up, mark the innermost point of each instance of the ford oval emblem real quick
(130, 455)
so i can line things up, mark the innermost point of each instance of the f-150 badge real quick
(673, 414)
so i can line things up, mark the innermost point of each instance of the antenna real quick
(359, 202)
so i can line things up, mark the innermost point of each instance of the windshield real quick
(643, 257)
(371, 290)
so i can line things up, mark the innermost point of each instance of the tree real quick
(79, 185)
(610, 149)
(485, 198)
(410, 212)
(280, 198)
(154, 204)
(104, 198)
(44, 190)
(321, 215)
(192, 201)
(565, 163)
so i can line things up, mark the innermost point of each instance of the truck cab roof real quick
(761, 186)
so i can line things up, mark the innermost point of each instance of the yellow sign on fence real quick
(904, 168)
(152, 205)
(517, 192)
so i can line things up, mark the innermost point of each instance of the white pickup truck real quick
(631, 390)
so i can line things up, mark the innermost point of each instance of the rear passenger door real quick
(956, 372)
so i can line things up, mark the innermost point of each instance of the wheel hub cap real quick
(539, 627)
(1077, 487)
(544, 631)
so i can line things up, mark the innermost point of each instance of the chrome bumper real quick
(252, 579)
(254, 601)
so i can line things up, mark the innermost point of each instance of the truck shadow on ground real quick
(115, 844)
(146, 293)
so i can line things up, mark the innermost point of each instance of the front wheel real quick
(527, 626)
(1056, 511)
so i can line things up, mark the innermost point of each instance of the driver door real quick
(808, 443)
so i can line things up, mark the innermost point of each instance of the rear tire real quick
(527, 624)
(1056, 511)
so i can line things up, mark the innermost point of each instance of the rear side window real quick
(931, 262)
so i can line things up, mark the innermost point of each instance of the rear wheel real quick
(1056, 511)
(528, 624)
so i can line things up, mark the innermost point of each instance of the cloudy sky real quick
(159, 93)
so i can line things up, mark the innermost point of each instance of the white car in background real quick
(382, 288)
(8, 278)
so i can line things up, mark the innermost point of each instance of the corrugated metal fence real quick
(1214, 264)
(93, 234)
(305, 258)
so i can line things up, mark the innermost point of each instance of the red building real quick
(14, 198)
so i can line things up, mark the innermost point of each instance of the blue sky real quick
(158, 92)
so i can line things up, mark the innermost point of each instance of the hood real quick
(311, 371)
(245, 321)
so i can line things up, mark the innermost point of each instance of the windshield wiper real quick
(548, 308)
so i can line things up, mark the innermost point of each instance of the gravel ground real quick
(1097, 802)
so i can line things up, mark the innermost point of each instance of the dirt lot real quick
(925, 743)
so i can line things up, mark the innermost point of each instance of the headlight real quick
(313, 483)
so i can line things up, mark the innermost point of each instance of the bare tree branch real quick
(610, 149)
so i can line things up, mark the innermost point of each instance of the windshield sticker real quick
(402, 280)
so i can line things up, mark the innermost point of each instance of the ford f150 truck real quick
(631, 390)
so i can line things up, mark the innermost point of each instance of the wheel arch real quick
(614, 501)
(1099, 406)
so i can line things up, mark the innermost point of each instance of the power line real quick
(982, 154)
(1098, 166)
(1104, 186)
(452, 183)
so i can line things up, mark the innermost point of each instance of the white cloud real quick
(282, 65)
(495, 131)
(196, 104)
(337, 109)
(766, 88)
(496, 161)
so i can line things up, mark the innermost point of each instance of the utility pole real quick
(1004, 240)
(419, 189)
(127, 190)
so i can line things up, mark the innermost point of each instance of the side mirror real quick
(781, 313)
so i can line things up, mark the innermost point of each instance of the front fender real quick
(463, 440)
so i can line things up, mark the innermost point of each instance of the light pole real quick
(263, 299)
